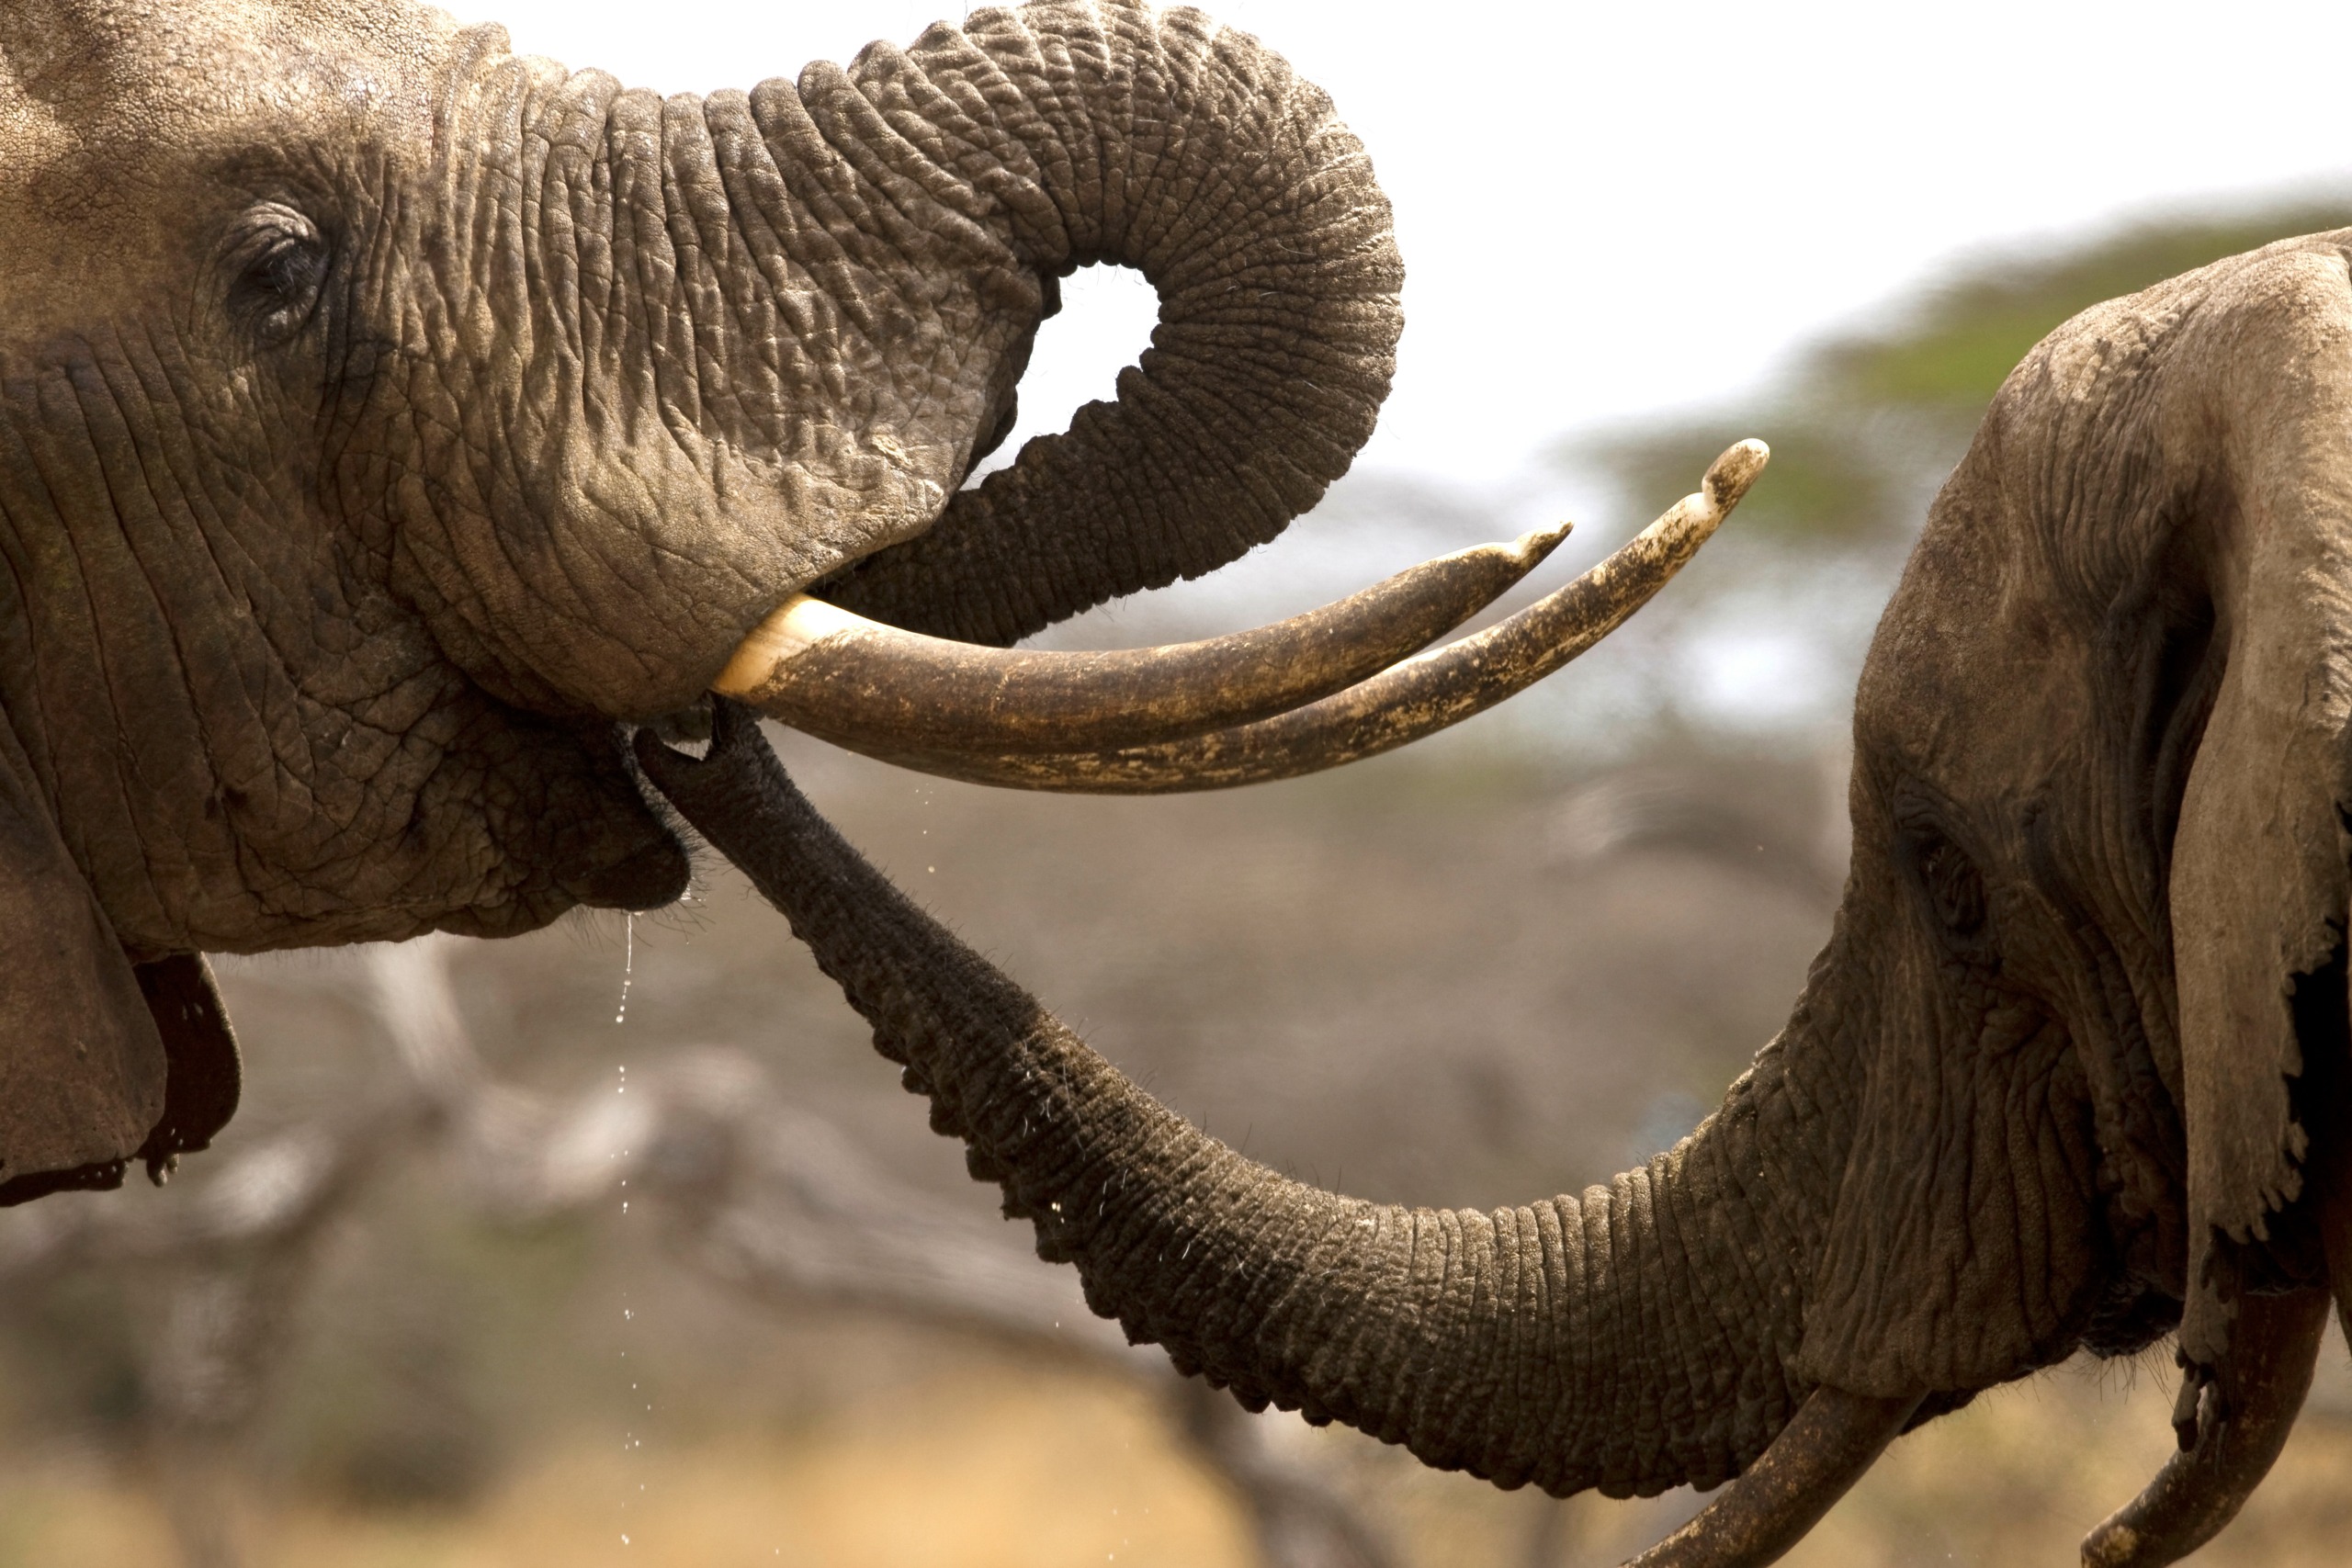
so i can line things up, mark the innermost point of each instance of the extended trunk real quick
(1636, 1337)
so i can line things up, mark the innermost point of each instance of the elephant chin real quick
(652, 876)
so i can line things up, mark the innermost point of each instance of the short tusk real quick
(2273, 1344)
(1401, 703)
(882, 690)
(1813, 1461)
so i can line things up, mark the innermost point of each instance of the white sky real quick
(1607, 209)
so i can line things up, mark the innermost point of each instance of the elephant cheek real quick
(1958, 1254)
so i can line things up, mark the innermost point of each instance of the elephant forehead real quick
(124, 124)
(103, 69)
(62, 49)
(1976, 658)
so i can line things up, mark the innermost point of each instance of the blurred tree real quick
(1864, 421)
(69, 1357)
(1766, 632)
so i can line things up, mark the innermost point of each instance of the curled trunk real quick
(671, 361)
(1106, 134)
(1635, 1337)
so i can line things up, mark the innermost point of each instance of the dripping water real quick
(631, 1443)
(629, 965)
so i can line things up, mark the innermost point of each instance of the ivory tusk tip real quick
(1530, 548)
(790, 629)
(1729, 475)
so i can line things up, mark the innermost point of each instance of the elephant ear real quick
(2258, 881)
(83, 1066)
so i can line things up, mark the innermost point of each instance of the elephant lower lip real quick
(653, 877)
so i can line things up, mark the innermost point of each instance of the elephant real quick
(390, 425)
(2070, 1073)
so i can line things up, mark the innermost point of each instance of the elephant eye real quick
(277, 267)
(1954, 885)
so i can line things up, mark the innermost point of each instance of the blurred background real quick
(617, 1245)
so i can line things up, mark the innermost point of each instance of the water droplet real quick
(629, 968)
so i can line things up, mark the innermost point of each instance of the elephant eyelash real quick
(1954, 886)
(278, 270)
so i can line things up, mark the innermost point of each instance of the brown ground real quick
(1459, 982)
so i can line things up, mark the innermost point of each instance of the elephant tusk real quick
(882, 690)
(1816, 1459)
(1401, 703)
(2248, 1412)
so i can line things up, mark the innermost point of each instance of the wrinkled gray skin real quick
(385, 419)
(2058, 1081)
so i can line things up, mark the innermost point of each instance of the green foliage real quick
(1950, 354)
(1826, 480)
(1866, 424)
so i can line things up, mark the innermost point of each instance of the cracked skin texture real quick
(386, 421)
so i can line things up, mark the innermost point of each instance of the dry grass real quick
(995, 1465)
(1391, 981)
(986, 1469)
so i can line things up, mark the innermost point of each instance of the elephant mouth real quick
(1354, 678)
(649, 877)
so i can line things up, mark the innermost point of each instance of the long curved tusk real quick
(2273, 1347)
(876, 688)
(1814, 1460)
(1404, 702)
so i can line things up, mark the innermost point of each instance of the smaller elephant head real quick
(2069, 1073)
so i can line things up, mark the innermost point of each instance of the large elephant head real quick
(2068, 1075)
(386, 422)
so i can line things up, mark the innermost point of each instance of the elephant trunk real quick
(1106, 134)
(677, 364)
(1633, 1338)
(670, 360)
